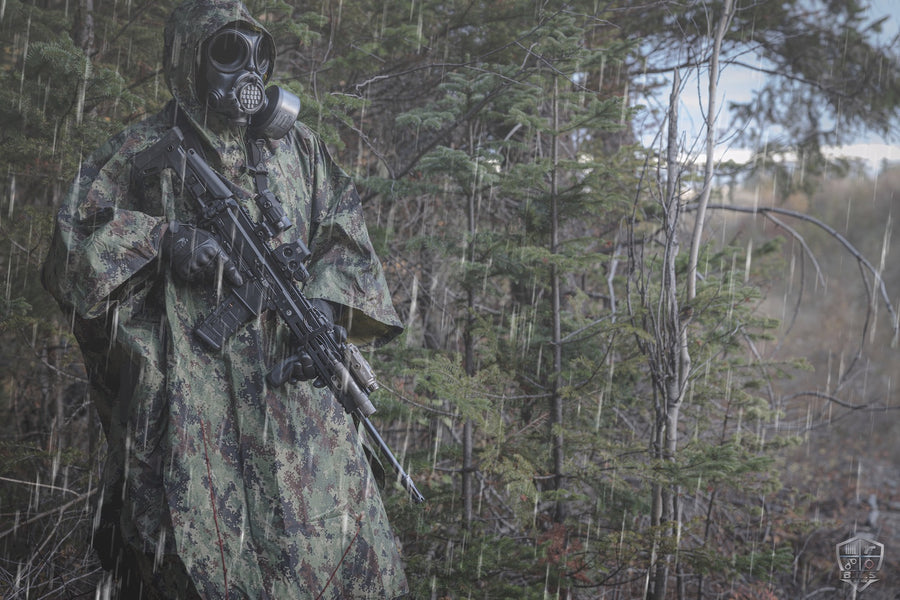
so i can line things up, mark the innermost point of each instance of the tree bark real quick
(468, 468)
(709, 167)
(84, 26)
(556, 402)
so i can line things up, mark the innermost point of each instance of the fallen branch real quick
(38, 517)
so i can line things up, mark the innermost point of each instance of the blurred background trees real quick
(600, 397)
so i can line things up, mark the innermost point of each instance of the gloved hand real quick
(195, 254)
(303, 368)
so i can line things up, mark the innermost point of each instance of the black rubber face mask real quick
(235, 65)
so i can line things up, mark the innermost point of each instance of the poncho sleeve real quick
(104, 239)
(344, 268)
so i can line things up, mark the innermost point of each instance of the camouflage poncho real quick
(252, 492)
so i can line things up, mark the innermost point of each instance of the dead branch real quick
(864, 265)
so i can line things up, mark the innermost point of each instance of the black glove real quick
(195, 254)
(303, 368)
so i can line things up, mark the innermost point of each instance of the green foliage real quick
(493, 144)
(12, 313)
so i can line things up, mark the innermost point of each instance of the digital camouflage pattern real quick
(252, 492)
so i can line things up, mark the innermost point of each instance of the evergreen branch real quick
(447, 129)
(419, 405)
(137, 13)
(439, 66)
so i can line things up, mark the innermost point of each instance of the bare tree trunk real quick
(672, 361)
(84, 37)
(669, 359)
(658, 572)
(84, 26)
(468, 468)
(468, 491)
(556, 402)
(709, 168)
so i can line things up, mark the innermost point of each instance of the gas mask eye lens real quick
(265, 55)
(228, 51)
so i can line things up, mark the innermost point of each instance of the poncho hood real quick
(188, 27)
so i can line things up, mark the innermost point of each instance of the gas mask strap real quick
(274, 218)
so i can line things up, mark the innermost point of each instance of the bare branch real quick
(863, 262)
(55, 509)
(824, 396)
(709, 166)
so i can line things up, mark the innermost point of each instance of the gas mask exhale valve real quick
(235, 66)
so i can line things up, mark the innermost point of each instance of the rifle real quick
(270, 276)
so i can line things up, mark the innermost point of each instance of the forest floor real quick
(836, 472)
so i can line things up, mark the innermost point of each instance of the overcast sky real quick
(737, 84)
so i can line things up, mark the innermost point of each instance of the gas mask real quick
(235, 65)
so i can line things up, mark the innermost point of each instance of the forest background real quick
(629, 370)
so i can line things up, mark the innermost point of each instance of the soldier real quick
(218, 485)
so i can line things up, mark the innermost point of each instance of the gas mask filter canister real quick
(235, 64)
